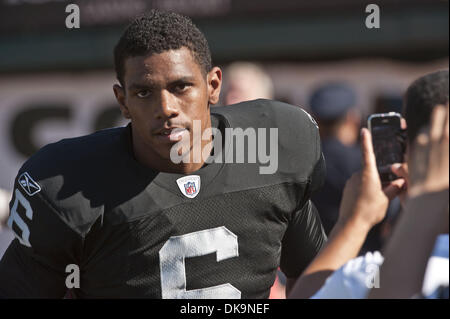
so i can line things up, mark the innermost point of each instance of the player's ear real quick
(119, 92)
(214, 82)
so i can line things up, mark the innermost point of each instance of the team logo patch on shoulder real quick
(28, 184)
(189, 185)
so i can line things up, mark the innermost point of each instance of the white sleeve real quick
(353, 280)
(437, 270)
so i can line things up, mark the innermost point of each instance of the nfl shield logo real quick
(189, 185)
(190, 188)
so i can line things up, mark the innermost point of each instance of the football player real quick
(116, 209)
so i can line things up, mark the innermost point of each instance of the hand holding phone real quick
(388, 142)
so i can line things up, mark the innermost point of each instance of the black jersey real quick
(133, 232)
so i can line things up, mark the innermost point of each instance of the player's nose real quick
(167, 107)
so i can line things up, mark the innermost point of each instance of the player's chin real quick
(179, 153)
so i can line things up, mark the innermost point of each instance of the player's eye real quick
(181, 87)
(143, 94)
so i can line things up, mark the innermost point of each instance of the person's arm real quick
(305, 236)
(303, 240)
(34, 265)
(363, 205)
(425, 215)
(344, 243)
(290, 282)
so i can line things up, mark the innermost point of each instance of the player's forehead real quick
(163, 67)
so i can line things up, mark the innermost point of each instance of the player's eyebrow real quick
(184, 79)
(140, 86)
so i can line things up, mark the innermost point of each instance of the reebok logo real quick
(28, 184)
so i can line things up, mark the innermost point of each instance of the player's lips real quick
(171, 134)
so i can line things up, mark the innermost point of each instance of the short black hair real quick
(158, 31)
(421, 97)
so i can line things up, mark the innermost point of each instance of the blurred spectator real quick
(246, 81)
(333, 105)
(6, 235)
(385, 103)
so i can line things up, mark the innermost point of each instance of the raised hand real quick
(429, 167)
(364, 199)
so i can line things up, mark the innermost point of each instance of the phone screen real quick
(387, 143)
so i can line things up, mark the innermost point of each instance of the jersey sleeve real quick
(302, 241)
(305, 235)
(34, 265)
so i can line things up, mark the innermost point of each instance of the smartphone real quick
(388, 142)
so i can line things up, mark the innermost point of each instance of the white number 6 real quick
(177, 248)
(24, 238)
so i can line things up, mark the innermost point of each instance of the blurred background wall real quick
(57, 82)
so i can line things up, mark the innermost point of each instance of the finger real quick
(400, 169)
(395, 188)
(352, 185)
(355, 179)
(438, 118)
(403, 124)
(368, 155)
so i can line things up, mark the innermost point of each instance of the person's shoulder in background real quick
(6, 235)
